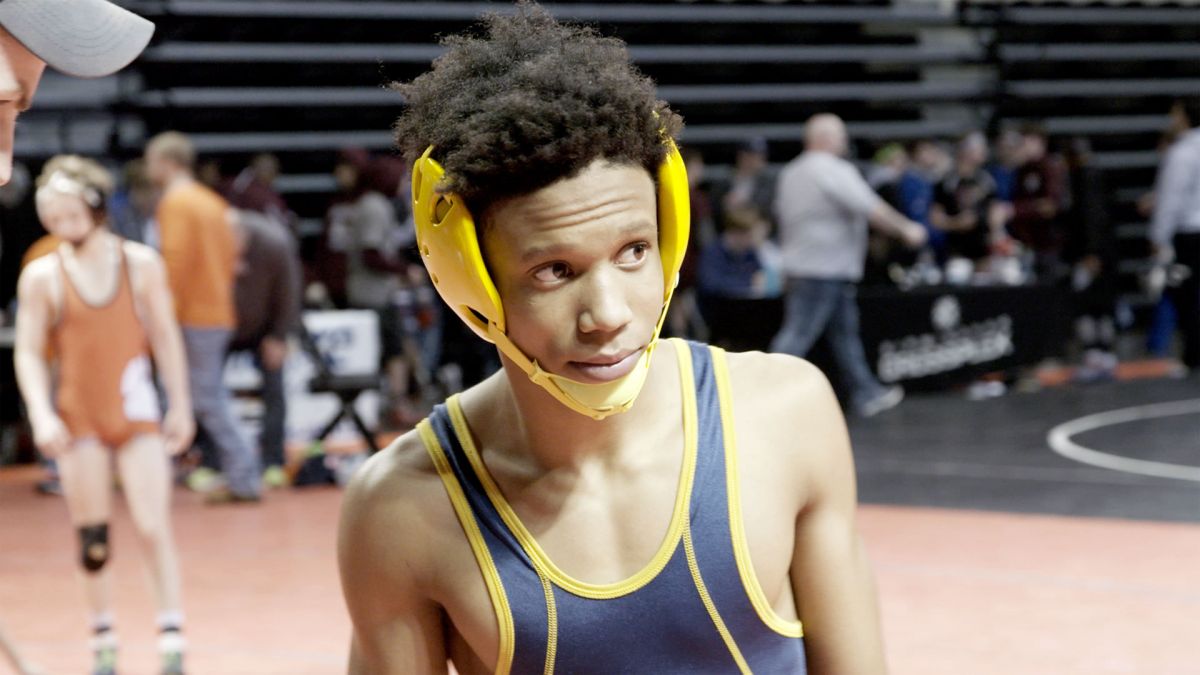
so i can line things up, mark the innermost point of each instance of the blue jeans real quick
(213, 406)
(813, 307)
(274, 417)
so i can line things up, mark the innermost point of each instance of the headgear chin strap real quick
(449, 246)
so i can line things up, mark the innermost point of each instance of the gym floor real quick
(993, 553)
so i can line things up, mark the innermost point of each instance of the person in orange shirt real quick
(200, 253)
(104, 305)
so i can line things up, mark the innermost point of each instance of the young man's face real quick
(65, 216)
(578, 269)
(20, 72)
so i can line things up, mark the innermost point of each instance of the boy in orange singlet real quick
(104, 306)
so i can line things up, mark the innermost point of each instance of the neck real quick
(554, 436)
(182, 177)
(93, 245)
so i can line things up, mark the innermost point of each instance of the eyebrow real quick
(538, 252)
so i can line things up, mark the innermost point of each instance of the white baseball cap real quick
(84, 38)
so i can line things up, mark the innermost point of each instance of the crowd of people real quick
(801, 235)
(965, 212)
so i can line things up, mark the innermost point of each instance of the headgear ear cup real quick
(449, 246)
(674, 216)
(449, 243)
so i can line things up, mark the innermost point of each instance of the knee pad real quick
(93, 547)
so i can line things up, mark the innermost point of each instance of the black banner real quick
(929, 337)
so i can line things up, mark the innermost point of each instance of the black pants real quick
(1186, 297)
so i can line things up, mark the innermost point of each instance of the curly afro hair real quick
(528, 101)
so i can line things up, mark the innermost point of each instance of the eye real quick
(553, 272)
(634, 253)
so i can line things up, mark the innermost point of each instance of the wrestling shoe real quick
(104, 653)
(890, 398)
(170, 649)
(274, 477)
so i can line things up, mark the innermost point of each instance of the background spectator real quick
(1175, 227)
(823, 206)
(1005, 162)
(268, 309)
(253, 189)
(915, 190)
(1091, 252)
(751, 183)
(1039, 194)
(965, 204)
(132, 205)
(200, 253)
(365, 228)
(742, 262)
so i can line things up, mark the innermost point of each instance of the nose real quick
(604, 307)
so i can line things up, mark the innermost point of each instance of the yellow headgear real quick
(449, 245)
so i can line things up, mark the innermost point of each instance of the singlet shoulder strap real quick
(709, 438)
(741, 547)
(63, 294)
(441, 425)
(127, 274)
(433, 432)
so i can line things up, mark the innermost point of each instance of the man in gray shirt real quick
(1175, 227)
(823, 207)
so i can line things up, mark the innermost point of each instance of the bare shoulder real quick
(141, 254)
(788, 421)
(397, 478)
(143, 261)
(395, 499)
(38, 277)
(777, 382)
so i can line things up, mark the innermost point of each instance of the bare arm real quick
(397, 627)
(890, 221)
(35, 317)
(831, 577)
(166, 342)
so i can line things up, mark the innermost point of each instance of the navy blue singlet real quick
(695, 608)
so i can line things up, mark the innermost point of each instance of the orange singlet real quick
(105, 386)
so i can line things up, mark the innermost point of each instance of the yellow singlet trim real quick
(741, 549)
(709, 605)
(487, 567)
(683, 497)
(551, 625)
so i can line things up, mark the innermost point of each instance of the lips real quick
(607, 368)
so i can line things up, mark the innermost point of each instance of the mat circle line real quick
(1060, 441)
